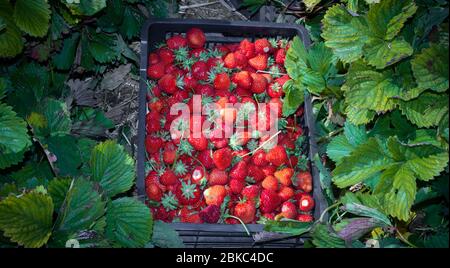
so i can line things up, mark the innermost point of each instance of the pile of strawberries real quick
(211, 178)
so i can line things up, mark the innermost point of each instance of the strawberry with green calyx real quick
(185, 148)
(239, 139)
(153, 144)
(179, 168)
(250, 180)
(188, 193)
(169, 201)
(274, 90)
(306, 203)
(161, 214)
(252, 145)
(269, 170)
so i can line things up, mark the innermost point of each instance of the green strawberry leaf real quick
(344, 34)
(128, 222)
(13, 131)
(35, 24)
(112, 167)
(11, 43)
(27, 219)
(164, 236)
(430, 68)
(85, 7)
(427, 110)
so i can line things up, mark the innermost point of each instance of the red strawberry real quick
(155, 104)
(270, 216)
(213, 62)
(200, 70)
(210, 214)
(259, 83)
(239, 171)
(259, 158)
(280, 56)
(198, 175)
(241, 153)
(306, 203)
(153, 144)
(269, 201)
(169, 153)
(237, 185)
(215, 195)
(304, 181)
(189, 216)
(242, 92)
(153, 122)
(286, 193)
(218, 177)
(163, 215)
(282, 80)
(168, 83)
(270, 183)
(256, 173)
(243, 79)
(204, 90)
(289, 210)
(168, 178)
(222, 158)
(284, 176)
(277, 156)
(251, 192)
(274, 90)
(222, 82)
(276, 106)
(166, 55)
(247, 48)
(269, 169)
(259, 62)
(199, 144)
(241, 59)
(188, 193)
(230, 61)
(262, 46)
(176, 41)
(189, 82)
(245, 211)
(195, 38)
(196, 52)
(153, 191)
(205, 157)
(155, 71)
(153, 58)
(305, 218)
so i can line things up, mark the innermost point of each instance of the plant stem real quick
(243, 224)
(262, 145)
(403, 239)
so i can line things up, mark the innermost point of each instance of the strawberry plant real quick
(64, 175)
(378, 73)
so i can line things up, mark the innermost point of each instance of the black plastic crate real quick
(156, 31)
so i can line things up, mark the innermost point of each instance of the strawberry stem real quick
(242, 223)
